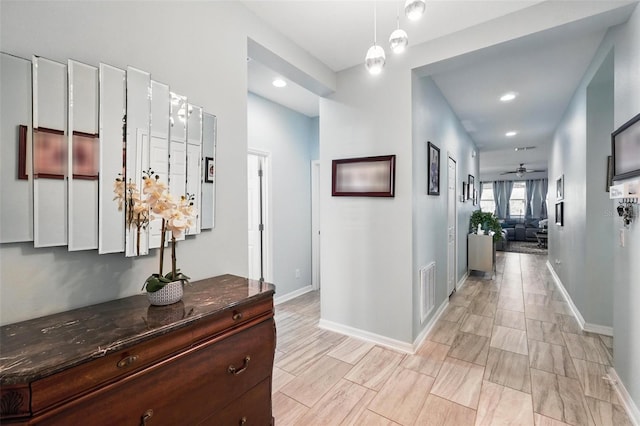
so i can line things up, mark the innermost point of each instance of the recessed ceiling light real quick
(278, 82)
(508, 97)
(511, 134)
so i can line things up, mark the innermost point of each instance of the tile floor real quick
(505, 351)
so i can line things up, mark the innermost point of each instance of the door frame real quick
(267, 245)
(315, 224)
(455, 223)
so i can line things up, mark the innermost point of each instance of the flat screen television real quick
(625, 148)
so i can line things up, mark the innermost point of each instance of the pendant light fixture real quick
(375, 59)
(398, 40)
(414, 9)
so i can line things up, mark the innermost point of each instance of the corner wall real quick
(435, 121)
(288, 137)
(572, 154)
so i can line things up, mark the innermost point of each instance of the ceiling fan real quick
(521, 170)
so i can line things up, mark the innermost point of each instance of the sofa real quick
(522, 229)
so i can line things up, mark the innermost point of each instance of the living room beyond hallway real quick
(505, 351)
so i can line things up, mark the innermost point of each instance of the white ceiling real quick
(544, 69)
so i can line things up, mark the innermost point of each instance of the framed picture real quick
(609, 172)
(560, 213)
(49, 154)
(364, 177)
(433, 169)
(560, 188)
(464, 191)
(209, 170)
(475, 197)
(625, 148)
(85, 156)
(22, 152)
(471, 187)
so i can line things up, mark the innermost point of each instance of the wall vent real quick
(427, 290)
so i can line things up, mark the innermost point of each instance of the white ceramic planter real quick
(170, 293)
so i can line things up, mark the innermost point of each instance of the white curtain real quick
(536, 198)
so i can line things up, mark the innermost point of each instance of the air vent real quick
(525, 148)
(427, 290)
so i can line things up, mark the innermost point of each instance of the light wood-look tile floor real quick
(505, 351)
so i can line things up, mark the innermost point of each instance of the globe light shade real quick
(374, 61)
(414, 9)
(398, 41)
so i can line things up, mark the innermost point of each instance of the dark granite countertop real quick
(42, 346)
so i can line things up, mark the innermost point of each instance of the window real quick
(517, 202)
(487, 203)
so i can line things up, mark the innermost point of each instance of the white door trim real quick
(267, 212)
(455, 224)
(315, 224)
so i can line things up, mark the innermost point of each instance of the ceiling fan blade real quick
(535, 171)
(507, 173)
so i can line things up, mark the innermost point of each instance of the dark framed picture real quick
(433, 169)
(560, 213)
(86, 147)
(560, 188)
(364, 177)
(22, 152)
(475, 197)
(464, 191)
(609, 172)
(209, 170)
(625, 148)
(49, 153)
(471, 187)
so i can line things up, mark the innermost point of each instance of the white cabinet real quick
(481, 253)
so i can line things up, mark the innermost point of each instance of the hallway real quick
(505, 351)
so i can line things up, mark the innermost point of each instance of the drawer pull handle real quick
(235, 371)
(243, 421)
(146, 416)
(237, 316)
(125, 362)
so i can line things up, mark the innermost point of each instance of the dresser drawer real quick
(230, 318)
(184, 389)
(251, 409)
(78, 380)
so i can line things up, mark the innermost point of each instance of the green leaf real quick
(155, 282)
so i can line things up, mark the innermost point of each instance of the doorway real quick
(451, 226)
(259, 231)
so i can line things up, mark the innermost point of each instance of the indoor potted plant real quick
(488, 222)
(177, 216)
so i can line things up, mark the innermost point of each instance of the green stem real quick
(173, 257)
(162, 238)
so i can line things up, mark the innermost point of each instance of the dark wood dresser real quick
(205, 360)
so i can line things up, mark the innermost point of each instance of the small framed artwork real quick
(49, 154)
(433, 169)
(560, 213)
(209, 170)
(364, 177)
(22, 152)
(471, 187)
(464, 191)
(609, 172)
(475, 197)
(560, 188)
(85, 156)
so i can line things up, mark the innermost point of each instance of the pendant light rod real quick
(375, 22)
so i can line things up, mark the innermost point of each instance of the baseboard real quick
(292, 295)
(432, 322)
(585, 326)
(366, 335)
(462, 281)
(625, 398)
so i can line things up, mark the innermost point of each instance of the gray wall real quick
(433, 120)
(209, 65)
(288, 137)
(578, 153)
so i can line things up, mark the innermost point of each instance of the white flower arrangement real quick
(156, 202)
